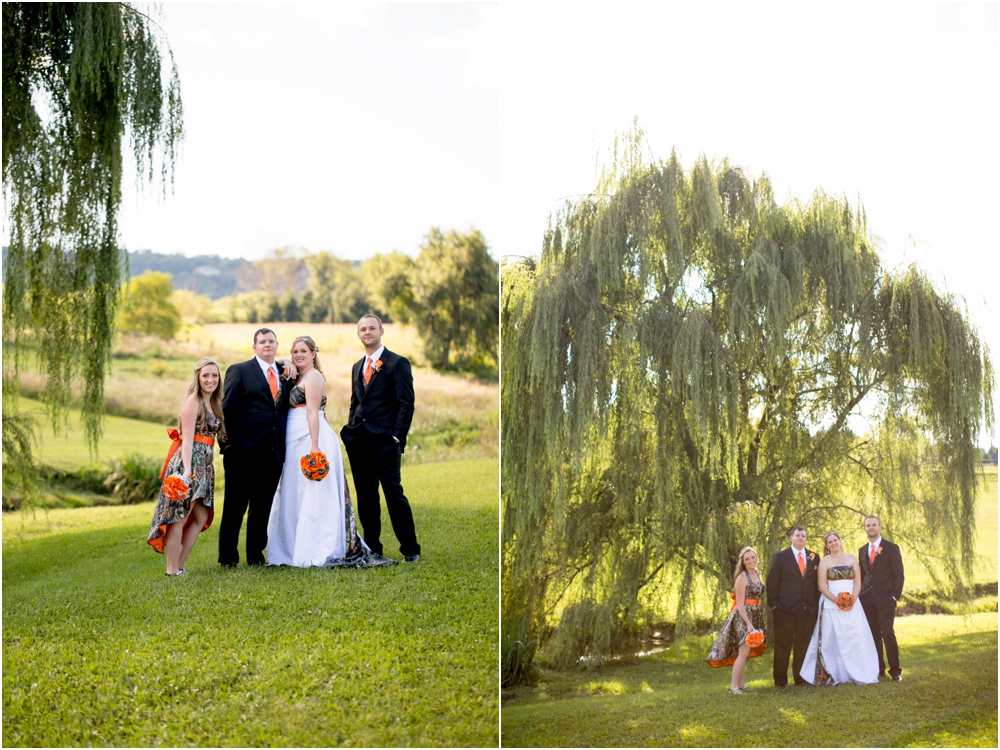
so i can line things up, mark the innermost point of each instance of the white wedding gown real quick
(842, 648)
(312, 522)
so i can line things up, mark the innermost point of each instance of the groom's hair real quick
(797, 528)
(260, 331)
(371, 315)
(876, 518)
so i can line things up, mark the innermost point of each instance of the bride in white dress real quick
(841, 648)
(312, 521)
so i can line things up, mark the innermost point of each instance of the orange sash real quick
(176, 437)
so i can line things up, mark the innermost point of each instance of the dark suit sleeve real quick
(896, 561)
(403, 382)
(232, 398)
(773, 581)
(354, 394)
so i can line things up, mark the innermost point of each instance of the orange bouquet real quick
(315, 466)
(844, 600)
(755, 638)
(176, 488)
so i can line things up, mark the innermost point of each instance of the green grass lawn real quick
(948, 698)
(100, 648)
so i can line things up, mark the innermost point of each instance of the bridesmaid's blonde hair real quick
(215, 399)
(740, 567)
(307, 340)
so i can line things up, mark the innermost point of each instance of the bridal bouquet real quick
(755, 638)
(315, 466)
(176, 488)
(844, 601)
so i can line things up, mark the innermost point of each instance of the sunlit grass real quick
(99, 648)
(948, 698)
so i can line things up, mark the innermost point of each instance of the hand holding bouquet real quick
(176, 487)
(315, 466)
(755, 638)
(844, 601)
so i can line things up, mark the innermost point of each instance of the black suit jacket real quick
(882, 580)
(385, 406)
(253, 421)
(788, 589)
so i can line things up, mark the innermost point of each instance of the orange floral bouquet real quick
(315, 466)
(176, 488)
(844, 601)
(755, 638)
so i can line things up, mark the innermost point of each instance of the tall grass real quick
(456, 416)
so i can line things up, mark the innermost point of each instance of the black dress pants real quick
(251, 480)
(881, 620)
(375, 461)
(791, 630)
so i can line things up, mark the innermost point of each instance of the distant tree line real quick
(449, 293)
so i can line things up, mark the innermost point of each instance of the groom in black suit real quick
(881, 587)
(255, 408)
(375, 438)
(793, 596)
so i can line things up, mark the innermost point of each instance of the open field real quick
(948, 698)
(101, 649)
(456, 416)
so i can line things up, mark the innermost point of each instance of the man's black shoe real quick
(411, 558)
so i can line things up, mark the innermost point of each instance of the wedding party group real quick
(282, 459)
(835, 613)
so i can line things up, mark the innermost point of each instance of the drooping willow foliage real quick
(690, 367)
(78, 78)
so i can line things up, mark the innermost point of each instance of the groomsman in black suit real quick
(881, 587)
(793, 596)
(255, 407)
(375, 438)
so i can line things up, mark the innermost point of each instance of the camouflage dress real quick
(203, 487)
(734, 631)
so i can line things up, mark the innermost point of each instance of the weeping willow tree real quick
(690, 367)
(78, 78)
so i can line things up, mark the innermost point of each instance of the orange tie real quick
(272, 381)
(368, 370)
(802, 563)
(871, 554)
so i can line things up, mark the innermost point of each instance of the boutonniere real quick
(812, 556)
(285, 375)
(878, 552)
(377, 367)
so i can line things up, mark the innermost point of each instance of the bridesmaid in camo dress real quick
(731, 646)
(177, 524)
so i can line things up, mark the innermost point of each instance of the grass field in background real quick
(948, 698)
(100, 648)
(456, 416)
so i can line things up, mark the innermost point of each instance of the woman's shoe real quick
(736, 691)
(746, 688)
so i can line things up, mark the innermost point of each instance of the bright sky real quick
(346, 127)
(893, 103)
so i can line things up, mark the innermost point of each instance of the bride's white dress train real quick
(312, 523)
(842, 648)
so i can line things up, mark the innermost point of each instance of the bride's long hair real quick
(740, 567)
(307, 340)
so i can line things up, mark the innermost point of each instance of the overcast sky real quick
(346, 127)
(895, 104)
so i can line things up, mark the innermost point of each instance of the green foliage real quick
(679, 370)
(948, 698)
(193, 308)
(517, 655)
(96, 639)
(77, 78)
(20, 436)
(340, 294)
(389, 279)
(148, 308)
(455, 294)
(134, 478)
